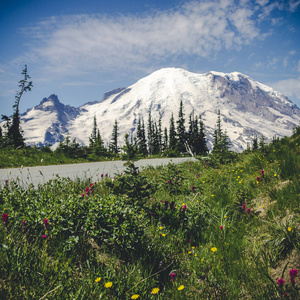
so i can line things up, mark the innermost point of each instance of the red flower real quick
(168, 182)
(257, 178)
(248, 210)
(5, 219)
(221, 227)
(46, 223)
(280, 282)
(173, 275)
(262, 173)
(192, 188)
(44, 236)
(244, 206)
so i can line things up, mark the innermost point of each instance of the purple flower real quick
(244, 206)
(293, 273)
(280, 282)
(248, 210)
(44, 236)
(46, 223)
(262, 173)
(221, 227)
(5, 219)
(173, 275)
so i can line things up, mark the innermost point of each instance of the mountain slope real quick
(247, 107)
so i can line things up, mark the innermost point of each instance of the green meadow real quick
(197, 230)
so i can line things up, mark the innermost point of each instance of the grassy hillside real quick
(189, 231)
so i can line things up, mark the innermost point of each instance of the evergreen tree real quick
(172, 134)
(181, 136)
(165, 140)
(96, 144)
(14, 131)
(94, 134)
(114, 140)
(159, 134)
(203, 150)
(254, 143)
(141, 138)
(221, 143)
(150, 134)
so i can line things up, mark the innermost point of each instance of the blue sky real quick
(81, 49)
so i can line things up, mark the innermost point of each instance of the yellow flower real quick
(246, 261)
(275, 174)
(189, 252)
(225, 217)
(108, 284)
(193, 247)
(163, 234)
(203, 181)
(155, 291)
(289, 229)
(196, 255)
(202, 259)
(160, 227)
(98, 279)
(181, 287)
(135, 296)
(212, 195)
(214, 249)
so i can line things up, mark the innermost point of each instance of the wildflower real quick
(87, 190)
(163, 234)
(108, 284)
(248, 210)
(275, 174)
(155, 291)
(5, 219)
(184, 207)
(280, 282)
(214, 249)
(173, 275)
(135, 296)
(190, 252)
(289, 229)
(82, 195)
(46, 223)
(257, 178)
(101, 175)
(168, 182)
(44, 236)
(221, 227)
(193, 247)
(98, 279)
(202, 259)
(196, 255)
(262, 173)
(225, 217)
(23, 225)
(293, 273)
(189, 241)
(262, 206)
(244, 206)
(181, 287)
(192, 188)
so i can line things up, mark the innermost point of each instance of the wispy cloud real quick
(79, 43)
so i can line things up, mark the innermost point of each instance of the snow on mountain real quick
(247, 107)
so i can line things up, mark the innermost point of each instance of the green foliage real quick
(136, 229)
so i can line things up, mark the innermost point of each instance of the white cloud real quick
(289, 87)
(80, 43)
(298, 65)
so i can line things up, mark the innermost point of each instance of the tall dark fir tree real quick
(114, 139)
(181, 134)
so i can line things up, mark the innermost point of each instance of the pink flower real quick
(168, 182)
(262, 173)
(192, 188)
(44, 236)
(91, 185)
(257, 178)
(189, 169)
(184, 207)
(46, 223)
(280, 282)
(5, 219)
(87, 190)
(101, 175)
(221, 227)
(244, 206)
(248, 210)
(82, 195)
(173, 275)
(293, 273)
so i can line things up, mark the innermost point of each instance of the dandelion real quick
(160, 227)
(280, 282)
(155, 291)
(163, 234)
(98, 279)
(275, 175)
(135, 296)
(181, 287)
(212, 195)
(202, 259)
(225, 217)
(190, 252)
(262, 206)
(108, 284)
(214, 249)
(196, 255)
(193, 247)
(289, 229)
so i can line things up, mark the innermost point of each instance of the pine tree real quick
(94, 134)
(150, 134)
(203, 150)
(254, 143)
(14, 132)
(172, 134)
(141, 138)
(159, 134)
(181, 136)
(165, 140)
(114, 140)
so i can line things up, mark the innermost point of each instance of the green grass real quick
(135, 230)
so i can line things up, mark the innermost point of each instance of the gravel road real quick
(42, 174)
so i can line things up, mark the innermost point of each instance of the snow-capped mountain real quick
(247, 107)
